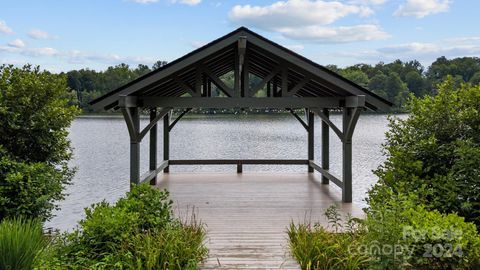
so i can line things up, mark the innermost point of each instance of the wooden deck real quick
(247, 214)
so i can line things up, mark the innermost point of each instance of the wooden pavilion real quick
(291, 82)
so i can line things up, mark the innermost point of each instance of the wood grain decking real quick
(247, 214)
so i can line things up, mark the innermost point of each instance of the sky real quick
(61, 35)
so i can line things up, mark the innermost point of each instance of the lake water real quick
(101, 152)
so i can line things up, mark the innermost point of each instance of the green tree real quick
(434, 154)
(34, 149)
(378, 85)
(475, 78)
(415, 83)
(356, 76)
(395, 87)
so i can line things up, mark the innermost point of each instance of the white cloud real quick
(4, 28)
(188, 2)
(198, 43)
(40, 34)
(185, 2)
(422, 8)
(309, 20)
(144, 1)
(32, 52)
(75, 56)
(17, 43)
(295, 47)
(424, 52)
(367, 2)
(47, 51)
(413, 48)
(342, 34)
(294, 13)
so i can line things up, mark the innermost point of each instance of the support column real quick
(135, 147)
(311, 139)
(347, 157)
(153, 145)
(166, 140)
(325, 146)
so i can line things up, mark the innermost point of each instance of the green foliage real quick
(435, 153)
(90, 84)
(475, 80)
(314, 247)
(378, 85)
(138, 232)
(356, 76)
(415, 83)
(29, 189)
(34, 149)
(177, 246)
(21, 242)
(464, 67)
(34, 115)
(402, 234)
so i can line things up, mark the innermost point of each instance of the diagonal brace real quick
(329, 122)
(170, 127)
(128, 115)
(152, 123)
(352, 123)
(298, 118)
(299, 86)
(219, 83)
(186, 87)
(265, 80)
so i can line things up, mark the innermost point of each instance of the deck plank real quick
(247, 214)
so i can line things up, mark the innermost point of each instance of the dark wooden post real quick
(347, 157)
(135, 148)
(166, 140)
(325, 146)
(284, 86)
(245, 79)
(153, 145)
(311, 138)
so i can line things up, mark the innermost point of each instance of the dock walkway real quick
(247, 215)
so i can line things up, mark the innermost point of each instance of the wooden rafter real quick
(299, 86)
(186, 87)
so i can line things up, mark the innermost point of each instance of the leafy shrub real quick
(314, 247)
(34, 148)
(435, 153)
(404, 235)
(34, 114)
(28, 189)
(21, 241)
(138, 232)
(106, 226)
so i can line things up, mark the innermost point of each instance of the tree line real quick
(394, 81)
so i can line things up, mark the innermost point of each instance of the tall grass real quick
(21, 241)
(317, 248)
